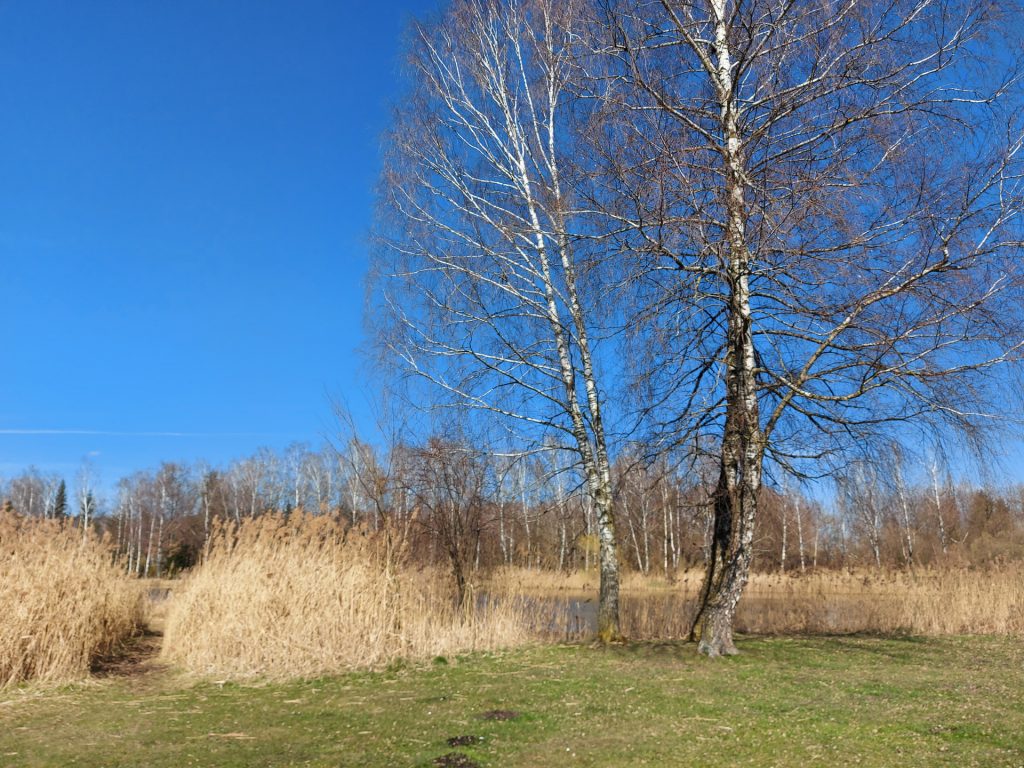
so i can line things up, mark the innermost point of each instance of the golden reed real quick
(63, 602)
(299, 596)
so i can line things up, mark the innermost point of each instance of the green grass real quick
(800, 702)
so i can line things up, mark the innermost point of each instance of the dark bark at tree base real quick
(712, 626)
(729, 560)
(719, 647)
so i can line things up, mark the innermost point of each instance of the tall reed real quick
(63, 602)
(299, 596)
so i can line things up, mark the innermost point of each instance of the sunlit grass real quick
(783, 702)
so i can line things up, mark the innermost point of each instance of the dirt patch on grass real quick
(135, 658)
(500, 714)
(455, 760)
(464, 741)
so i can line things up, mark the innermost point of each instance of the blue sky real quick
(186, 189)
(186, 192)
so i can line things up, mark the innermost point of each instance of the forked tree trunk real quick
(739, 480)
(731, 545)
(459, 576)
(901, 492)
(160, 547)
(506, 556)
(632, 535)
(943, 537)
(646, 529)
(588, 532)
(562, 544)
(666, 540)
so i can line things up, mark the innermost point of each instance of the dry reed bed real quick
(63, 602)
(924, 602)
(290, 597)
(298, 596)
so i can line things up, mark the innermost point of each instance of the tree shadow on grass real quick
(894, 646)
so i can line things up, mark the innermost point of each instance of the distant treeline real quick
(468, 510)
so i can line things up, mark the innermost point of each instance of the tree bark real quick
(608, 630)
(735, 513)
(739, 480)
(782, 554)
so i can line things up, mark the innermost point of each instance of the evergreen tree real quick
(60, 502)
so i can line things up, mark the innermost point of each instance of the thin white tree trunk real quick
(785, 530)
(149, 547)
(525, 508)
(937, 499)
(901, 492)
(798, 509)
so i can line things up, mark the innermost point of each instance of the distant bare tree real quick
(904, 503)
(86, 494)
(321, 477)
(862, 504)
(254, 484)
(33, 493)
(448, 481)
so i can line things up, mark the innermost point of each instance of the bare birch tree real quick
(902, 497)
(860, 503)
(33, 493)
(823, 200)
(484, 279)
(85, 492)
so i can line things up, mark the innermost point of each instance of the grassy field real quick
(817, 701)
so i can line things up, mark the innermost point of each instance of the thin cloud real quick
(108, 433)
